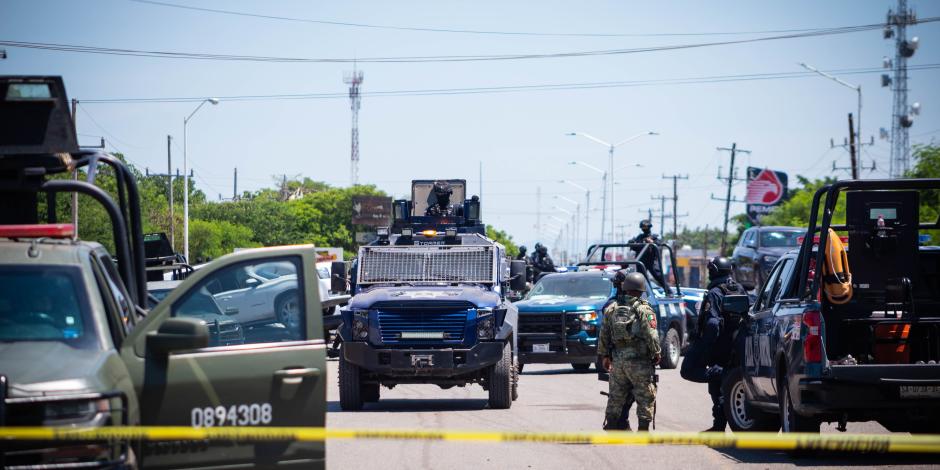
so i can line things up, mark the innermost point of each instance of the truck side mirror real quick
(178, 334)
(339, 281)
(517, 275)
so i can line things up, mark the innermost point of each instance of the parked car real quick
(259, 294)
(757, 251)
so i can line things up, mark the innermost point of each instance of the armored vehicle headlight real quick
(407, 232)
(360, 325)
(486, 324)
(450, 232)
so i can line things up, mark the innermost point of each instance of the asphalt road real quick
(553, 398)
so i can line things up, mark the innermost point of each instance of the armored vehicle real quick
(78, 346)
(430, 304)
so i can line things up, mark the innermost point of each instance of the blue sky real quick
(519, 137)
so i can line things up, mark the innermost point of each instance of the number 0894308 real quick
(253, 414)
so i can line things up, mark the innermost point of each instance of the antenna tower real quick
(354, 80)
(902, 116)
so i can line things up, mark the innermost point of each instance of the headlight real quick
(360, 324)
(769, 259)
(486, 324)
(590, 316)
(74, 411)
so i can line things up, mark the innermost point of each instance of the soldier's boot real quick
(643, 426)
(615, 423)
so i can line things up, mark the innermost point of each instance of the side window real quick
(252, 302)
(117, 291)
(785, 281)
(764, 300)
(782, 274)
(744, 238)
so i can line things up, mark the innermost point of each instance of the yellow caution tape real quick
(874, 443)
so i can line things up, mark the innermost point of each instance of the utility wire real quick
(431, 59)
(464, 31)
(508, 89)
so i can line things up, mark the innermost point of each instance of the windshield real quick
(780, 238)
(573, 286)
(44, 304)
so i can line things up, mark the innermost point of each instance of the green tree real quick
(504, 239)
(211, 239)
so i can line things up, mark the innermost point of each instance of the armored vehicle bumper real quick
(423, 365)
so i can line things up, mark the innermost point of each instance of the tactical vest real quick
(627, 329)
(728, 288)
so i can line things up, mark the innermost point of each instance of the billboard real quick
(766, 189)
(373, 211)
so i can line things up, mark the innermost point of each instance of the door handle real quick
(296, 375)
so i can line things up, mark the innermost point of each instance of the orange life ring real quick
(837, 277)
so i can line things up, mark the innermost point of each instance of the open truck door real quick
(277, 378)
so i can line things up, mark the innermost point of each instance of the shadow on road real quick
(559, 372)
(416, 405)
(822, 459)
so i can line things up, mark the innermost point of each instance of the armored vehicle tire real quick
(519, 367)
(350, 385)
(370, 392)
(515, 382)
(741, 416)
(500, 381)
(581, 367)
(672, 349)
(790, 420)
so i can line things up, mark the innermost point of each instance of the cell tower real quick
(354, 80)
(902, 115)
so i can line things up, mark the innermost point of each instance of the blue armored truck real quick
(429, 302)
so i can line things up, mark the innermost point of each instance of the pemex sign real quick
(766, 189)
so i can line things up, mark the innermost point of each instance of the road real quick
(552, 398)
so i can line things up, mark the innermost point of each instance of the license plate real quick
(920, 391)
(421, 361)
(422, 335)
(541, 348)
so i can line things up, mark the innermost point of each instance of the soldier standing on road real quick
(629, 348)
(651, 255)
(711, 352)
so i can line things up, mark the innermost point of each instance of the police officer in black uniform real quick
(522, 251)
(439, 201)
(651, 256)
(711, 352)
(542, 262)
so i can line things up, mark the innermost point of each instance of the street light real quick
(575, 216)
(603, 192)
(213, 101)
(587, 208)
(858, 90)
(610, 166)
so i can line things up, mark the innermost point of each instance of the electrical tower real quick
(354, 80)
(902, 116)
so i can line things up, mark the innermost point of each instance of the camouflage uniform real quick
(629, 337)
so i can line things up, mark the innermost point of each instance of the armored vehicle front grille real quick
(549, 323)
(450, 323)
(426, 264)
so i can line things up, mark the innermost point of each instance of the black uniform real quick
(439, 201)
(650, 257)
(710, 354)
(542, 262)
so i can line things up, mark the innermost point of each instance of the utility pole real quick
(75, 171)
(538, 213)
(354, 80)
(169, 176)
(662, 208)
(731, 179)
(675, 201)
(852, 150)
(235, 186)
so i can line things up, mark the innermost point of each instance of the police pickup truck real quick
(78, 347)
(430, 304)
(842, 335)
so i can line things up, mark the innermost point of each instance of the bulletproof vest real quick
(727, 288)
(627, 329)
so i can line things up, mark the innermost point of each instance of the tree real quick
(211, 239)
(504, 239)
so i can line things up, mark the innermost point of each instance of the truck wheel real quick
(742, 417)
(790, 420)
(671, 350)
(515, 382)
(350, 385)
(370, 393)
(581, 367)
(519, 367)
(500, 381)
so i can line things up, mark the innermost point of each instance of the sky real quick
(519, 138)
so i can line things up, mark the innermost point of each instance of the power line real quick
(428, 29)
(432, 59)
(506, 88)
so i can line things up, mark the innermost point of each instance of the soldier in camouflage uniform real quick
(629, 348)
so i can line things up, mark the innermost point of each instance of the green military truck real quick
(78, 348)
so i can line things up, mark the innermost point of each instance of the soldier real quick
(521, 256)
(711, 352)
(439, 200)
(629, 348)
(651, 256)
(542, 262)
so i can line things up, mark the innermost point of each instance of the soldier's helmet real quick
(646, 225)
(522, 250)
(442, 188)
(542, 249)
(719, 266)
(634, 282)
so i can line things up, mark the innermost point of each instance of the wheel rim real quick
(290, 314)
(739, 406)
(785, 410)
(674, 350)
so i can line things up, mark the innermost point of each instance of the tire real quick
(350, 385)
(515, 382)
(742, 417)
(790, 420)
(287, 312)
(519, 367)
(370, 393)
(672, 349)
(500, 381)
(581, 367)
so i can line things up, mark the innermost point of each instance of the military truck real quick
(78, 347)
(430, 304)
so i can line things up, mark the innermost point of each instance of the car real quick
(259, 294)
(223, 330)
(331, 301)
(825, 344)
(757, 251)
(559, 318)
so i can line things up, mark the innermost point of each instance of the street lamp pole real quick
(858, 125)
(213, 101)
(587, 209)
(603, 193)
(573, 242)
